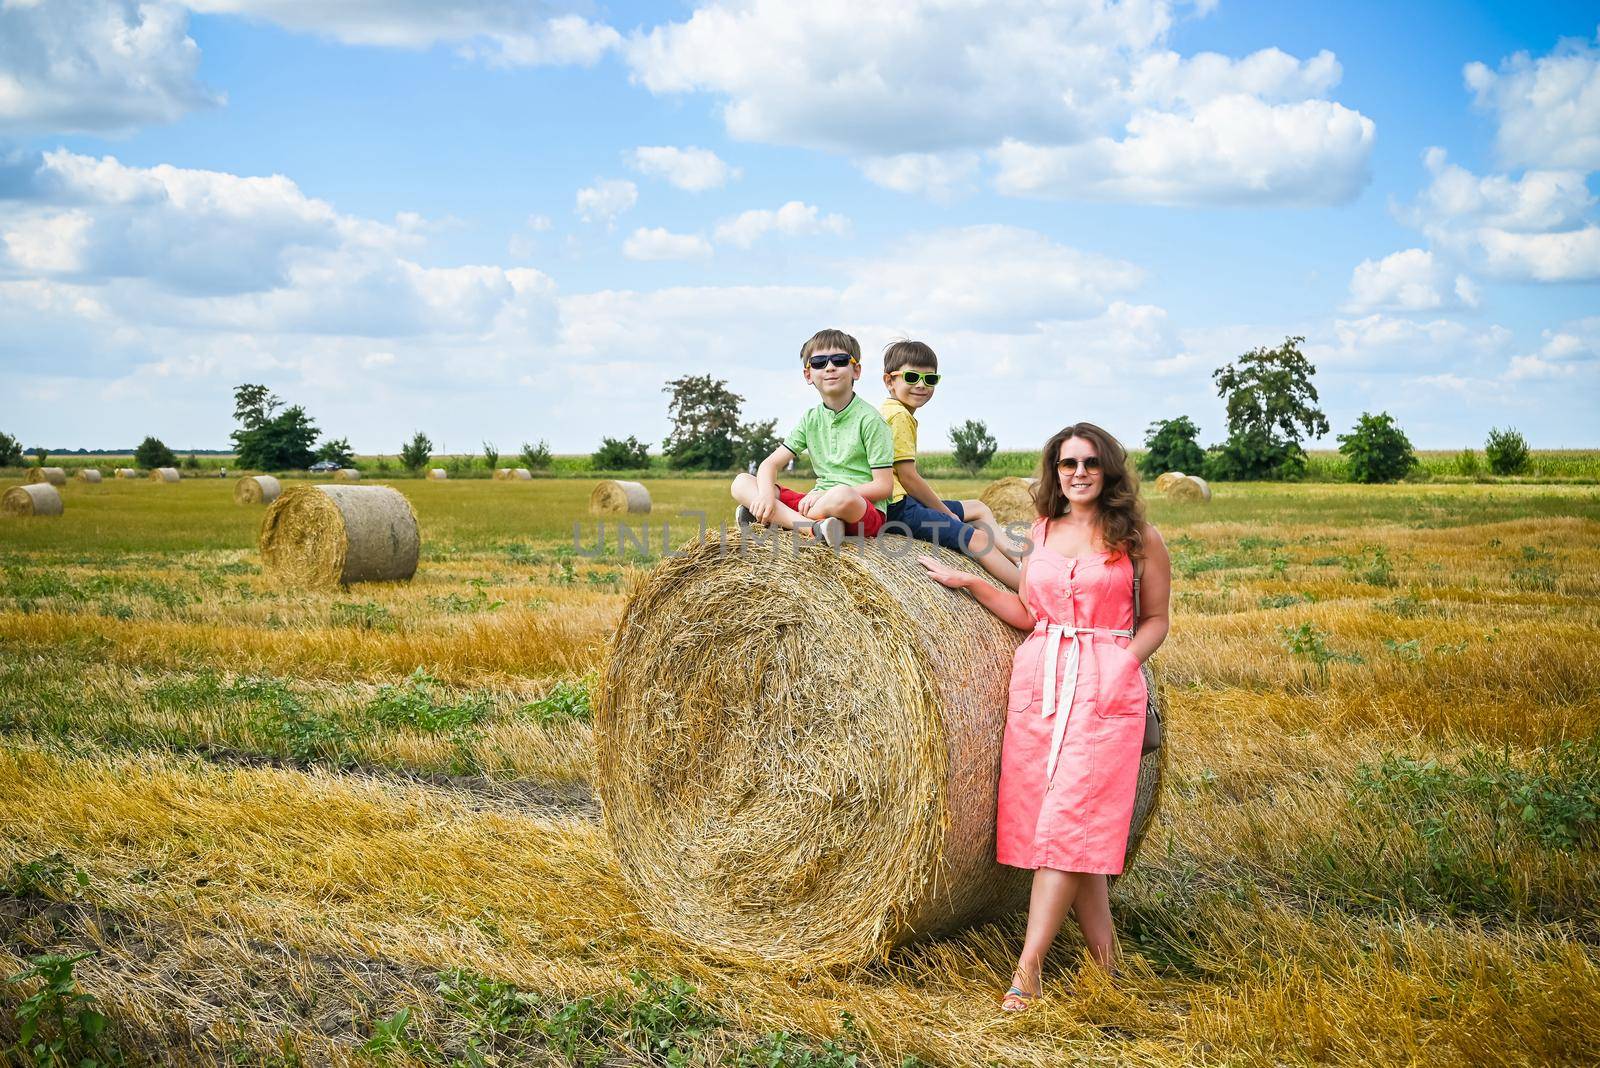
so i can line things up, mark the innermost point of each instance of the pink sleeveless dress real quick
(1071, 755)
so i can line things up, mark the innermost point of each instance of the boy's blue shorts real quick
(927, 525)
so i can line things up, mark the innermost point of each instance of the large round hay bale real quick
(502, 473)
(347, 474)
(55, 476)
(616, 497)
(88, 474)
(438, 473)
(127, 472)
(165, 474)
(774, 793)
(1166, 479)
(521, 474)
(33, 498)
(320, 536)
(256, 489)
(1188, 488)
(1011, 500)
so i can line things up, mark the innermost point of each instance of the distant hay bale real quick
(165, 474)
(438, 474)
(34, 498)
(1188, 488)
(771, 805)
(88, 474)
(521, 474)
(1166, 479)
(256, 489)
(55, 476)
(616, 497)
(1011, 500)
(320, 536)
(127, 472)
(347, 474)
(502, 473)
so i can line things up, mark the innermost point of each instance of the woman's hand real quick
(945, 576)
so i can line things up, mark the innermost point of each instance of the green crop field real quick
(357, 826)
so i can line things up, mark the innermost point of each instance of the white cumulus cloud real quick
(1548, 109)
(1410, 280)
(606, 199)
(693, 169)
(940, 176)
(658, 243)
(794, 219)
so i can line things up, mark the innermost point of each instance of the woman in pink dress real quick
(1070, 760)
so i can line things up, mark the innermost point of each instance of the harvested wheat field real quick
(358, 825)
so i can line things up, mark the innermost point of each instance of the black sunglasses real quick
(838, 359)
(1091, 464)
(913, 377)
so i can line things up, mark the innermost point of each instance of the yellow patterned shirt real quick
(904, 427)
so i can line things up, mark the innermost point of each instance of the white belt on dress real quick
(1055, 634)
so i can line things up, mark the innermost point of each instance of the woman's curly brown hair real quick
(1121, 509)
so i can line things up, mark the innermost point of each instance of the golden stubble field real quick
(356, 827)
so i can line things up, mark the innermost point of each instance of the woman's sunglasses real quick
(1090, 464)
(913, 377)
(838, 359)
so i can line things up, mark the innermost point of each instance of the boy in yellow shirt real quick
(910, 373)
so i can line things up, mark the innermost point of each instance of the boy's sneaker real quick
(829, 531)
(743, 518)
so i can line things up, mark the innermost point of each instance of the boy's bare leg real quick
(982, 549)
(841, 502)
(745, 490)
(980, 516)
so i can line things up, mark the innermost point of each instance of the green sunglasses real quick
(913, 377)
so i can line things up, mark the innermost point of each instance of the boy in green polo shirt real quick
(852, 453)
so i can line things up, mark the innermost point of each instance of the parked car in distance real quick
(324, 465)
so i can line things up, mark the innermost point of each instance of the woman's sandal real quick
(1016, 1000)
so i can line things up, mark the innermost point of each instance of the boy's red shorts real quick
(871, 519)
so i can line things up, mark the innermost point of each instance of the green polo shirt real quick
(845, 446)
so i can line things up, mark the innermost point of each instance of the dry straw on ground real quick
(616, 497)
(127, 472)
(55, 476)
(1188, 488)
(322, 536)
(165, 474)
(347, 474)
(88, 474)
(1166, 479)
(35, 498)
(1011, 500)
(438, 473)
(774, 797)
(256, 489)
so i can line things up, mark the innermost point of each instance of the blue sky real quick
(515, 222)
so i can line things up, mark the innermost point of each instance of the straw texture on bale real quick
(1166, 479)
(256, 489)
(774, 796)
(1011, 500)
(616, 497)
(55, 476)
(1188, 488)
(34, 498)
(88, 474)
(322, 536)
(438, 473)
(521, 474)
(347, 474)
(165, 474)
(502, 473)
(127, 472)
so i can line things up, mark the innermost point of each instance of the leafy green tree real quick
(625, 455)
(755, 442)
(1507, 451)
(1271, 407)
(253, 405)
(491, 455)
(536, 457)
(1378, 449)
(152, 452)
(191, 462)
(10, 451)
(282, 442)
(974, 445)
(1172, 445)
(339, 451)
(705, 424)
(40, 455)
(416, 453)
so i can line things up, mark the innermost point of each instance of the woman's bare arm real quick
(1155, 591)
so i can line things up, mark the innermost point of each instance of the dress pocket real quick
(1025, 668)
(1122, 686)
